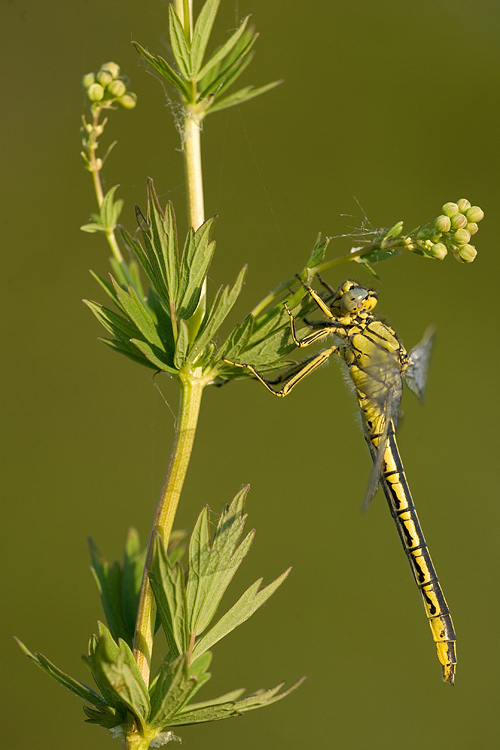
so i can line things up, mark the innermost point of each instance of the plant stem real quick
(191, 390)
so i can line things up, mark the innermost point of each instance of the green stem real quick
(191, 391)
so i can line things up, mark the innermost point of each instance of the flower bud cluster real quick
(108, 87)
(452, 230)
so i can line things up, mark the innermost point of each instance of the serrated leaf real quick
(138, 314)
(110, 210)
(75, 686)
(132, 572)
(109, 582)
(230, 71)
(253, 598)
(135, 356)
(223, 51)
(266, 697)
(318, 252)
(237, 339)
(164, 69)
(196, 258)
(230, 697)
(202, 31)
(120, 327)
(241, 96)
(116, 667)
(168, 588)
(181, 345)
(212, 566)
(155, 357)
(180, 47)
(107, 286)
(218, 312)
(105, 718)
(173, 688)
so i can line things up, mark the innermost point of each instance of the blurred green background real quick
(388, 109)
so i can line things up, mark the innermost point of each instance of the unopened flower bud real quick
(114, 69)
(104, 77)
(95, 92)
(127, 101)
(450, 209)
(87, 80)
(474, 213)
(463, 204)
(459, 221)
(443, 223)
(98, 164)
(461, 236)
(472, 227)
(439, 251)
(467, 253)
(116, 88)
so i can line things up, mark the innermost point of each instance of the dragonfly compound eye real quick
(354, 298)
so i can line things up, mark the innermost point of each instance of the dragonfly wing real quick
(418, 364)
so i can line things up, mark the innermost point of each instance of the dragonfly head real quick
(352, 298)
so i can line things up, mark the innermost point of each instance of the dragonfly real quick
(377, 363)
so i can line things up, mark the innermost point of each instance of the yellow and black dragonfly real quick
(378, 363)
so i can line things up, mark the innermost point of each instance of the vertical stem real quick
(192, 163)
(191, 391)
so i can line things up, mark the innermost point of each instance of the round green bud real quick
(98, 164)
(95, 92)
(474, 213)
(472, 227)
(450, 209)
(439, 251)
(116, 88)
(459, 221)
(467, 253)
(463, 204)
(104, 77)
(87, 80)
(461, 236)
(443, 223)
(114, 69)
(128, 101)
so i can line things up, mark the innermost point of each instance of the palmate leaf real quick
(202, 31)
(229, 705)
(196, 258)
(115, 667)
(135, 356)
(77, 688)
(224, 50)
(167, 583)
(212, 566)
(241, 96)
(253, 598)
(138, 314)
(221, 306)
(174, 686)
(180, 46)
(230, 71)
(165, 70)
(238, 339)
(109, 583)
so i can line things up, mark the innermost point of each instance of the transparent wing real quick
(418, 365)
(386, 403)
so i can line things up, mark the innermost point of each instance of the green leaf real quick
(213, 566)
(223, 51)
(132, 572)
(318, 252)
(117, 346)
(155, 357)
(167, 583)
(110, 210)
(107, 286)
(108, 718)
(77, 688)
(173, 688)
(253, 598)
(230, 71)
(237, 339)
(218, 312)
(109, 583)
(243, 95)
(138, 314)
(202, 31)
(115, 666)
(181, 345)
(92, 228)
(196, 258)
(120, 327)
(179, 43)
(164, 69)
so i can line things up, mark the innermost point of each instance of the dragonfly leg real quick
(293, 376)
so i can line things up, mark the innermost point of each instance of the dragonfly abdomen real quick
(402, 508)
